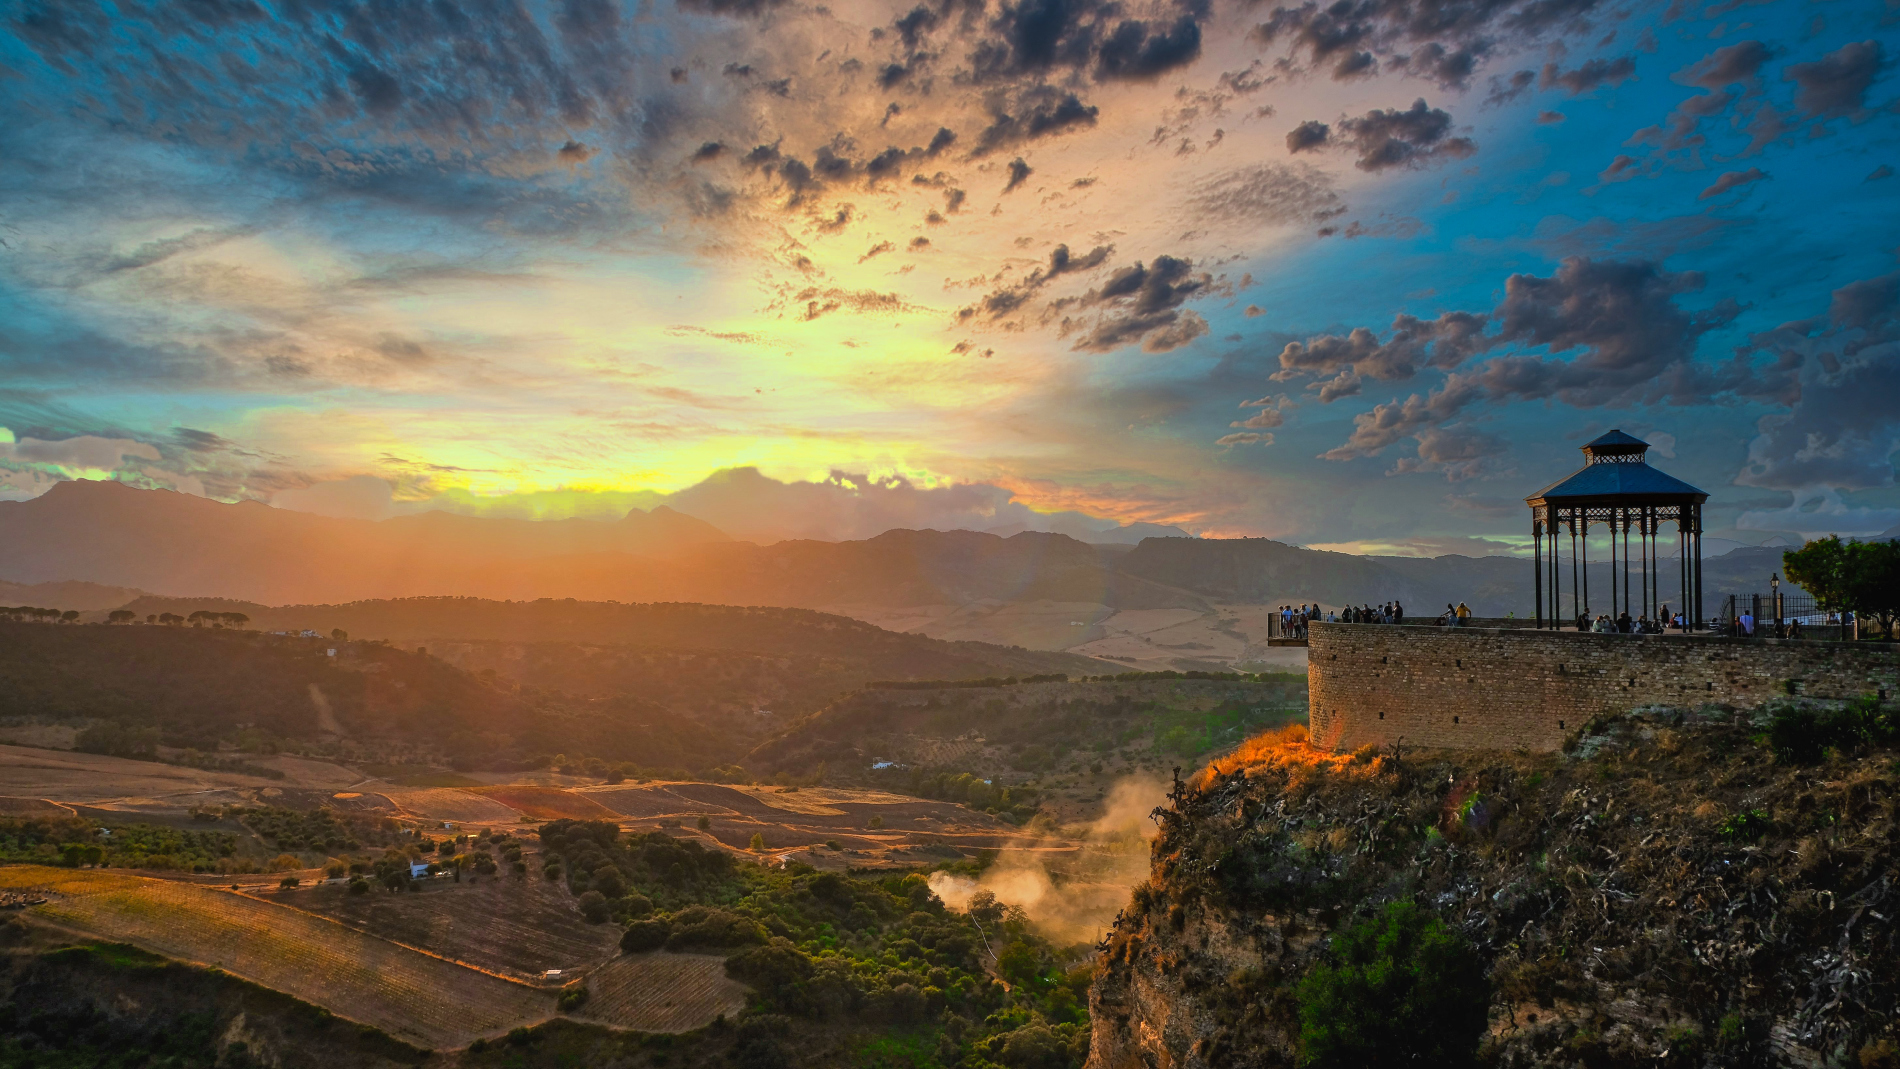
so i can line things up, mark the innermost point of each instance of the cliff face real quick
(1663, 892)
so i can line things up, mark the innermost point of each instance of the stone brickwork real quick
(1511, 689)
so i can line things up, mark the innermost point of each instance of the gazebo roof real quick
(1617, 472)
(1615, 441)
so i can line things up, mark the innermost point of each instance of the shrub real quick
(1400, 987)
(288, 882)
(594, 907)
(704, 823)
(573, 997)
(642, 936)
(1801, 735)
(876, 822)
(359, 886)
(711, 926)
(776, 965)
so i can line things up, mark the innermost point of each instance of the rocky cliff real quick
(1675, 888)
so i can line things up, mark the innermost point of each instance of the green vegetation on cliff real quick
(1674, 889)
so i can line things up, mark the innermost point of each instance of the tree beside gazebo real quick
(1852, 576)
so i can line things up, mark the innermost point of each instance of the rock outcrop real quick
(1665, 891)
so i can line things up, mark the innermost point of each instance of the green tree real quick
(1863, 577)
(1398, 989)
(758, 843)
(1821, 568)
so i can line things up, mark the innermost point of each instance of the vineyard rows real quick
(663, 992)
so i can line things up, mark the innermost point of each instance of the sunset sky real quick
(1358, 276)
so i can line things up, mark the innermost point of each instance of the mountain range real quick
(1035, 589)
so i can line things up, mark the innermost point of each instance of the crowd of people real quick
(1293, 621)
(1624, 624)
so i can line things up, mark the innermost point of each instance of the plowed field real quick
(449, 803)
(410, 995)
(545, 803)
(516, 927)
(662, 992)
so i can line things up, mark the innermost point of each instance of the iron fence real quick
(1755, 615)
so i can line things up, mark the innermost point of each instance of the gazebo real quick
(1617, 488)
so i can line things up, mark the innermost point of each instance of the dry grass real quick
(663, 992)
(1286, 749)
(410, 995)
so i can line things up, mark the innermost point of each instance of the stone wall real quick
(1509, 688)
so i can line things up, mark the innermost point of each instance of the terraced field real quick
(662, 992)
(424, 1000)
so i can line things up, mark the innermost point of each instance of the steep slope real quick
(1666, 892)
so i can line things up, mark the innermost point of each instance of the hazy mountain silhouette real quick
(173, 543)
(179, 545)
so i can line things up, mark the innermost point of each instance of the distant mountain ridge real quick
(176, 544)
(158, 540)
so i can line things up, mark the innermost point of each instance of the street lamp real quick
(1774, 585)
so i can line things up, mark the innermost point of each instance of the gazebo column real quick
(1537, 569)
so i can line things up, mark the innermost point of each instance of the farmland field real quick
(663, 992)
(410, 995)
(545, 803)
(516, 927)
(448, 803)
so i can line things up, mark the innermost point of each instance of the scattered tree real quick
(1399, 988)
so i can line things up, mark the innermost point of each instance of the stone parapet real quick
(1522, 689)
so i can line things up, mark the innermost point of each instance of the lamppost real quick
(1774, 585)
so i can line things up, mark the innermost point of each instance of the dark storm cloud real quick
(1036, 112)
(1018, 174)
(1596, 72)
(1038, 38)
(1143, 302)
(1138, 51)
(200, 441)
(1735, 64)
(732, 8)
(1504, 90)
(1837, 84)
(1010, 298)
(1844, 429)
(1435, 39)
(1445, 342)
(1731, 179)
(1634, 345)
(1417, 137)
(1309, 136)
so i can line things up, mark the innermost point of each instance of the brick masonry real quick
(1511, 689)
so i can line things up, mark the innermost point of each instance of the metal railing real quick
(1758, 616)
